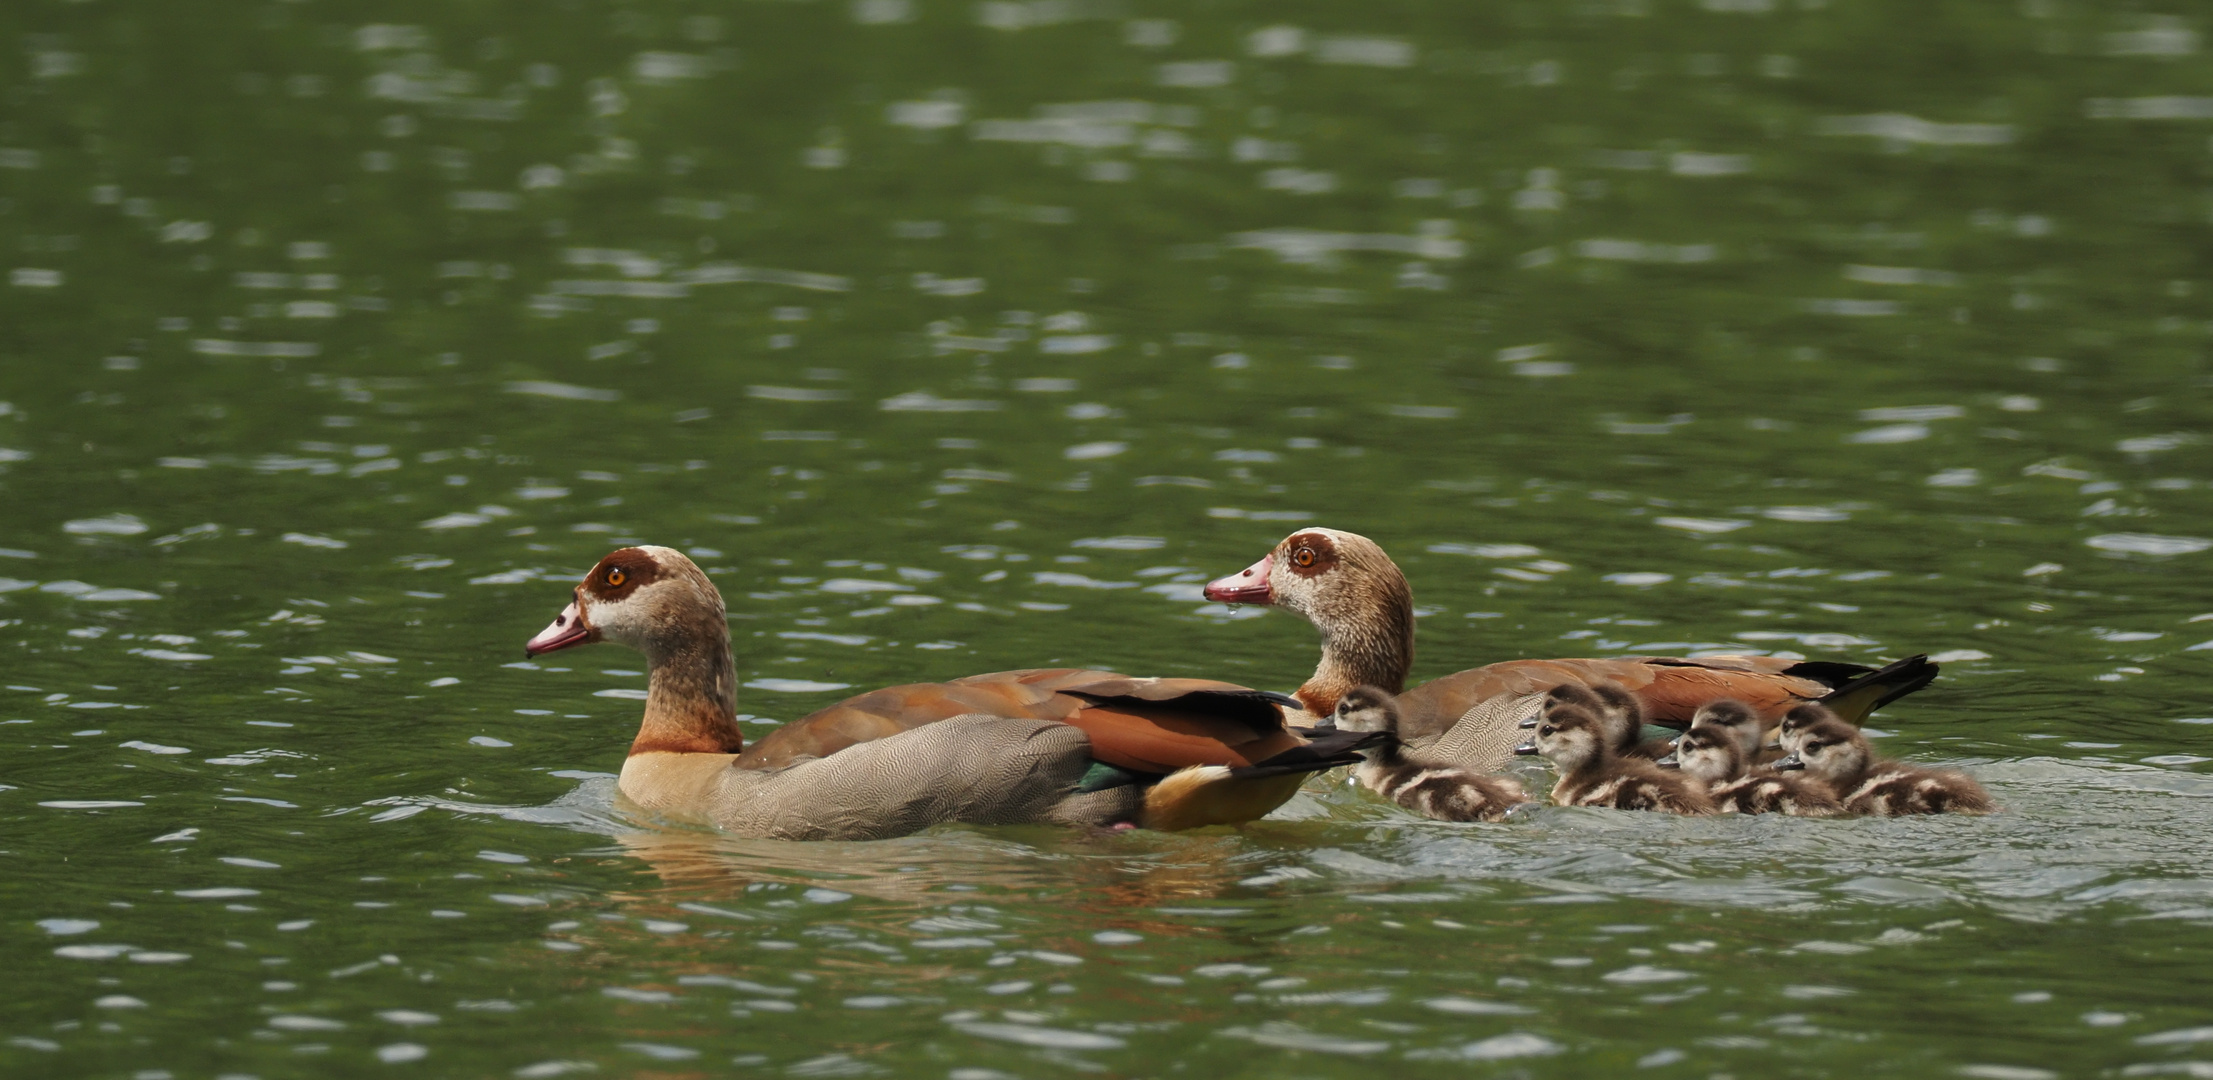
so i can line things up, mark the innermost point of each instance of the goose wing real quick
(1151, 726)
(1671, 688)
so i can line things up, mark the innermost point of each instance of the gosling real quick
(1742, 724)
(1593, 774)
(1444, 792)
(1711, 755)
(1796, 721)
(1620, 716)
(1835, 753)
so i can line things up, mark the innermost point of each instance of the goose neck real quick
(1376, 650)
(691, 698)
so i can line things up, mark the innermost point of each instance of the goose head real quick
(1354, 595)
(652, 599)
(657, 601)
(1831, 750)
(1328, 577)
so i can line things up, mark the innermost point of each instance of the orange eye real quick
(615, 577)
(1303, 557)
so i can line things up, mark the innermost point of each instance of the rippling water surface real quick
(338, 339)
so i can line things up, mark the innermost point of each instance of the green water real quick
(339, 338)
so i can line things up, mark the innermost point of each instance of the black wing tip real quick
(1332, 748)
(1898, 678)
(1831, 673)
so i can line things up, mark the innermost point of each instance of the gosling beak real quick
(567, 629)
(1788, 763)
(1526, 748)
(1528, 722)
(1247, 586)
(1669, 762)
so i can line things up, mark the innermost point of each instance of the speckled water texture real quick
(338, 339)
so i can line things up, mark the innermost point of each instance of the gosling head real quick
(1619, 715)
(652, 599)
(1573, 695)
(1623, 706)
(1570, 736)
(1367, 708)
(1830, 750)
(1709, 755)
(1734, 717)
(1797, 720)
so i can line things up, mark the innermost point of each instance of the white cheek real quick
(617, 620)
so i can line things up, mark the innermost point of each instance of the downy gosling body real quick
(1620, 716)
(1441, 791)
(1710, 754)
(1743, 725)
(1837, 754)
(1592, 774)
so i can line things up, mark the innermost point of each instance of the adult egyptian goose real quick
(1591, 774)
(1442, 791)
(1043, 745)
(1355, 595)
(1837, 754)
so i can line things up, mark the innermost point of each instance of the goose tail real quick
(1222, 795)
(1867, 693)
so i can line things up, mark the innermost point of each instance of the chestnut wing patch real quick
(1148, 738)
(1152, 726)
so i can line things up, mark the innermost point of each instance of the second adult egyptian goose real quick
(1358, 599)
(1045, 745)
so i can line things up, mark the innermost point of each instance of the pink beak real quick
(1248, 586)
(568, 628)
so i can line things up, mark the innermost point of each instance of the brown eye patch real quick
(1310, 553)
(620, 574)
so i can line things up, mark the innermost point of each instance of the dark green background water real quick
(339, 338)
